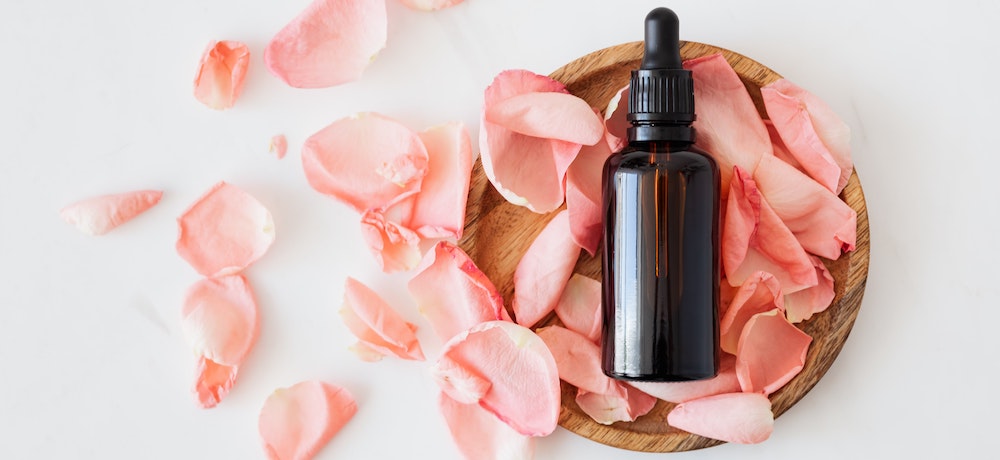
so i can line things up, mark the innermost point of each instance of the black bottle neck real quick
(660, 132)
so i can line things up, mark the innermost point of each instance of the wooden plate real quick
(498, 233)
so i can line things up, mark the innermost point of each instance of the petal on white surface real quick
(376, 324)
(221, 72)
(296, 422)
(99, 215)
(480, 435)
(439, 208)
(395, 247)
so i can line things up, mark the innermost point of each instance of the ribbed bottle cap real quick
(661, 90)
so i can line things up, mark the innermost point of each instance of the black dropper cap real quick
(661, 91)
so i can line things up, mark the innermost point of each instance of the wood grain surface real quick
(498, 233)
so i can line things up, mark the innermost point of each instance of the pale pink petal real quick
(578, 360)
(549, 115)
(678, 392)
(741, 418)
(329, 43)
(527, 171)
(759, 293)
(543, 271)
(99, 215)
(616, 120)
(579, 307)
(754, 239)
(460, 383)
(296, 422)
(225, 231)
(524, 381)
(279, 145)
(453, 293)
(439, 208)
(367, 161)
(395, 247)
(583, 195)
(376, 324)
(771, 352)
(479, 435)
(823, 224)
(811, 131)
(221, 71)
(728, 124)
(801, 305)
(219, 321)
(626, 405)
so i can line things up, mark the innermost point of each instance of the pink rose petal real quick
(99, 215)
(376, 325)
(549, 115)
(583, 195)
(818, 139)
(759, 293)
(527, 171)
(221, 72)
(430, 5)
(778, 147)
(453, 293)
(225, 231)
(578, 360)
(462, 384)
(616, 120)
(279, 145)
(329, 43)
(823, 224)
(741, 418)
(679, 392)
(439, 208)
(579, 307)
(395, 247)
(524, 390)
(771, 352)
(801, 305)
(543, 271)
(479, 435)
(366, 161)
(625, 406)
(728, 124)
(219, 321)
(296, 422)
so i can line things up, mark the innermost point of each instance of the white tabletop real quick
(95, 97)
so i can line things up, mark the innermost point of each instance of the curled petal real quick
(395, 247)
(626, 405)
(549, 115)
(728, 124)
(759, 293)
(99, 215)
(460, 383)
(741, 418)
(579, 307)
(524, 381)
(439, 208)
(279, 145)
(801, 305)
(678, 392)
(366, 161)
(578, 360)
(771, 352)
(213, 381)
(616, 120)
(329, 43)
(296, 422)
(542, 273)
(479, 435)
(376, 324)
(221, 71)
(823, 224)
(453, 293)
(583, 195)
(812, 133)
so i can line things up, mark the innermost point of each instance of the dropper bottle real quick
(661, 228)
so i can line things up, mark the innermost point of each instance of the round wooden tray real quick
(498, 233)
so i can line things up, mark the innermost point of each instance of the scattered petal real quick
(524, 390)
(583, 195)
(728, 124)
(460, 383)
(759, 293)
(453, 293)
(549, 115)
(439, 208)
(395, 247)
(823, 224)
(801, 305)
(579, 307)
(221, 72)
(329, 43)
(741, 418)
(296, 422)
(219, 322)
(479, 435)
(679, 392)
(616, 120)
(812, 133)
(625, 406)
(376, 325)
(279, 145)
(771, 352)
(578, 360)
(544, 270)
(225, 231)
(99, 215)
(367, 161)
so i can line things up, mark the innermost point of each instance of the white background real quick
(95, 97)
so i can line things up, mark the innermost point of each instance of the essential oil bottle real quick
(661, 228)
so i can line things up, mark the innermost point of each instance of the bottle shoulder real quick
(660, 157)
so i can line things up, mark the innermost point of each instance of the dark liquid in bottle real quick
(661, 265)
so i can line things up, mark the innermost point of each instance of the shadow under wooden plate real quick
(498, 233)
